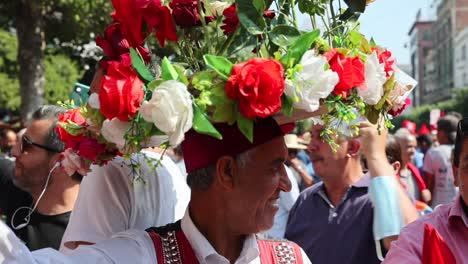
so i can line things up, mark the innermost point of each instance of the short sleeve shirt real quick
(437, 162)
(329, 234)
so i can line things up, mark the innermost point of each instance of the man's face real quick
(326, 163)
(9, 141)
(461, 173)
(32, 166)
(257, 186)
(408, 148)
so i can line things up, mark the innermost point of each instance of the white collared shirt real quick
(132, 246)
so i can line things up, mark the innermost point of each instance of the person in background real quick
(437, 163)
(305, 157)
(424, 143)
(109, 202)
(8, 139)
(38, 171)
(297, 167)
(343, 218)
(445, 231)
(409, 175)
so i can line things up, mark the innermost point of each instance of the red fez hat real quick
(411, 126)
(201, 151)
(423, 130)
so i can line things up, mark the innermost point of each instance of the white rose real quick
(312, 83)
(114, 131)
(93, 101)
(170, 109)
(217, 8)
(373, 89)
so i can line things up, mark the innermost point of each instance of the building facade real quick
(420, 45)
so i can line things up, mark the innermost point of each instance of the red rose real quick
(387, 58)
(270, 14)
(231, 20)
(90, 149)
(132, 13)
(351, 71)
(70, 117)
(114, 44)
(185, 13)
(402, 108)
(121, 91)
(258, 85)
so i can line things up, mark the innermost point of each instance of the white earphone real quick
(31, 210)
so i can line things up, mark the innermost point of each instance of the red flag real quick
(435, 250)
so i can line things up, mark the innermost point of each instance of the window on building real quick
(463, 53)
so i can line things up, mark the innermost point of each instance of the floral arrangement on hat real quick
(232, 62)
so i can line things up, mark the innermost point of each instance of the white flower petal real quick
(373, 90)
(312, 83)
(170, 109)
(93, 101)
(114, 131)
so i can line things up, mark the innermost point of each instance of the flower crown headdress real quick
(230, 62)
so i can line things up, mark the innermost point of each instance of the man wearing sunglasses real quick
(440, 237)
(38, 172)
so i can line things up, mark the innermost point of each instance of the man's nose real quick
(15, 150)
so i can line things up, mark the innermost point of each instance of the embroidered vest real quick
(172, 247)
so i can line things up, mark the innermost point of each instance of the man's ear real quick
(353, 148)
(396, 166)
(226, 169)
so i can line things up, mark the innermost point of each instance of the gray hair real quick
(402, 134)
(51, 113)
(202, 179)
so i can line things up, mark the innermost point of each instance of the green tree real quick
(42, 23)
(61, 73)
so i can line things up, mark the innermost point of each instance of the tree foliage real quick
(60, 72)
(420, 115)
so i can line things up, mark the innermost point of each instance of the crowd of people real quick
(359, 203)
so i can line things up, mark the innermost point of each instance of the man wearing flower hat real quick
(235, 189)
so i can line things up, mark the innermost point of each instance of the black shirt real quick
(42, 230)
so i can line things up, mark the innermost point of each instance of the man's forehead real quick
(37, 129)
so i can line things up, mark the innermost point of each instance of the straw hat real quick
(292, 142)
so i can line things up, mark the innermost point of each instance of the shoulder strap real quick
(171, 245)
(279, 251)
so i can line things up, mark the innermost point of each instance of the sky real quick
(389, 21)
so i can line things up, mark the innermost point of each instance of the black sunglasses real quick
(26, 142)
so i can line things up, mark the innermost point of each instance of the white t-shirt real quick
(437, 162)
(286, 202)
(132, 246)
(108, 201)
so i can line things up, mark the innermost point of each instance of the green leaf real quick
(168, 72)
(250, 17)
(153, 84)
(245, 125)
(202, 125)
(180, 71)
(259, 5)
(372, 114)
(203, 80)
(140, 66)
(284, 35)
(287, 105)
(300, 46)
(355, 38)
(219, 64)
